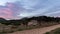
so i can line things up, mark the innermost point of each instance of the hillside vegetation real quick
(24, 21)
(8, 26)
(55, 31)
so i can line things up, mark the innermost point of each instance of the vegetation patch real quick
(55, 31)
(9, 26)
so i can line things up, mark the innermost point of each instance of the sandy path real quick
(37, 31)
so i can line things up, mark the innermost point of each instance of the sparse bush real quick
(56, 31)
(42, 21)
(47, 33)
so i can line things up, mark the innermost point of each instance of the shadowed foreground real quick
(37, 31)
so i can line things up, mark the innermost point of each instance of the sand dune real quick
(38, 30)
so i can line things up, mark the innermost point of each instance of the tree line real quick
(25, 21)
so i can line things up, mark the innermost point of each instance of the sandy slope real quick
(37, 31)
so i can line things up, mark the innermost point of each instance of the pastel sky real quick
(15, 9)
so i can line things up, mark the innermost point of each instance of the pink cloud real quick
(7, 13)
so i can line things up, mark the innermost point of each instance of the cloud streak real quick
(26, 8)
(10, 10)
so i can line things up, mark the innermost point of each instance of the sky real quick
(16, 9)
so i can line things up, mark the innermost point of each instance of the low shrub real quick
(55, 31)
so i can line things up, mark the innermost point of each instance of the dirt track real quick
(37, 31)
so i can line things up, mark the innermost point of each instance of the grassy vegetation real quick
(56, 31)
(12, 28)
(9, 26)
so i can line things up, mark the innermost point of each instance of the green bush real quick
(2, 33)
(56, 31)
(47, 33)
